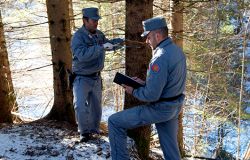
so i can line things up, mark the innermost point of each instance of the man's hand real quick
(128, 89)
(118, 43)
(138, 80)
(108, 46)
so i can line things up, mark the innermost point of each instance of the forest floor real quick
(41, 140)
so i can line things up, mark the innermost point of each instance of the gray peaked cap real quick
(92, 13)
(153, 24)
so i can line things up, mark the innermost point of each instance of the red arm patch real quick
(155, 68)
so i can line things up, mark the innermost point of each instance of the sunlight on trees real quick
(215, 40)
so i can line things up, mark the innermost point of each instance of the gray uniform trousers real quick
(165, 119)
(87, 103)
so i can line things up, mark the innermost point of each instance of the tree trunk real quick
(71, 16)
(177, 22)
(59, 29)
(7, 95)
(137, 61)
(177, 34)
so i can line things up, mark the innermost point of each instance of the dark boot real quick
(85, 137)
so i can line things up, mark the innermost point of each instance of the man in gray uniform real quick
(88, 47)
(163, 89)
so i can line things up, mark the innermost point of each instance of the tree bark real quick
(71, 16)
(59, 29)
(137, 60)
(177, 34)
(177, 22)
(7, 95)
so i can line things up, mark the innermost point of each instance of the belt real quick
(169, 99)
(95, 74)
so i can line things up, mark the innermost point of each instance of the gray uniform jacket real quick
(88, 52)
(166, 75)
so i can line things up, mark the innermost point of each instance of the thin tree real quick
(7, 96)
(71, 16)
(137, 60)
(59, 29)
(177, 34)
(245, 39)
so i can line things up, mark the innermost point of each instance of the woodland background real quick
(214, 34)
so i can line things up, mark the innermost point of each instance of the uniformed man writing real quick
(163, 89)
(88, 47)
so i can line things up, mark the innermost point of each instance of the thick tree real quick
(177, 34)
(7, 96)
(137, 60)
(59, 29)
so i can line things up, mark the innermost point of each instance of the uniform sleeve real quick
(155, 82)
(83, 52)
(116, 40)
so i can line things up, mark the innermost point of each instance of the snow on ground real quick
(49, 140)
(41, 140)
(52, 140)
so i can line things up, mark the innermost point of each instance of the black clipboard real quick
(123, 79)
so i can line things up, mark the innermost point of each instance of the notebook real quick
(123, 79)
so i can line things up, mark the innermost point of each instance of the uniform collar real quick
(162, 44)
(87, 32)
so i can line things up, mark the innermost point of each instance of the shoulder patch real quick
(155, 68)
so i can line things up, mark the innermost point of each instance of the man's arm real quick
(130, 89)
(83, 52)
(116, 42)
(155, 82)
